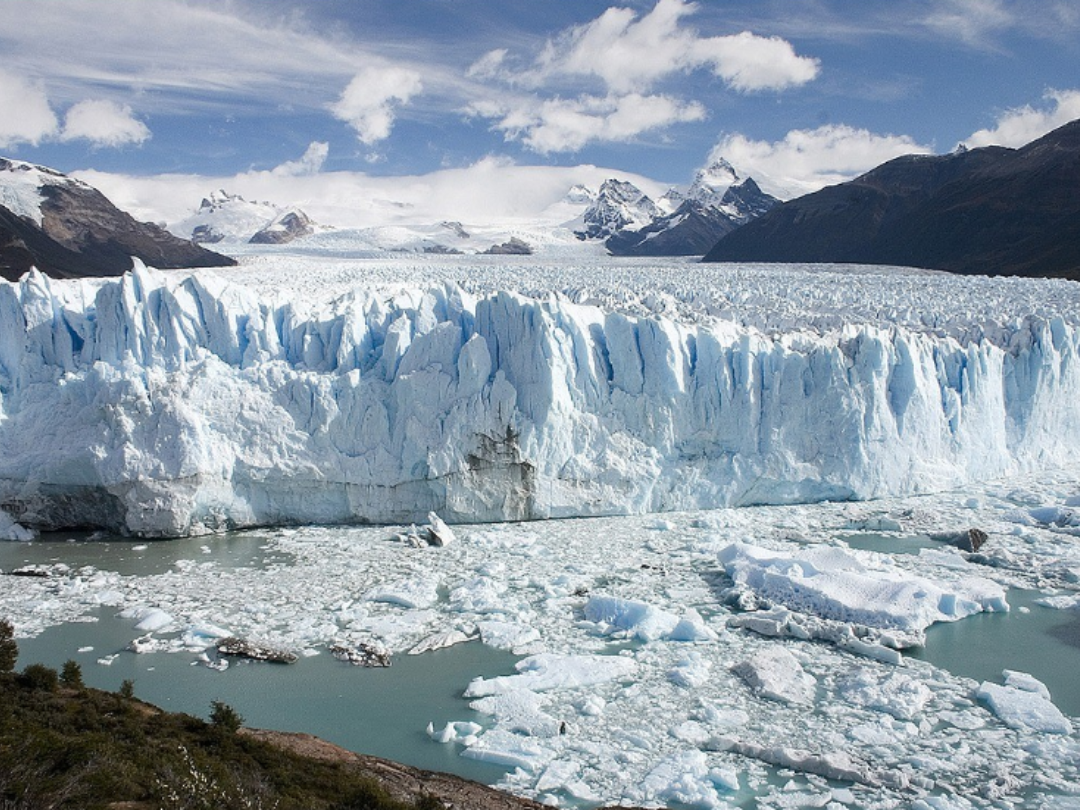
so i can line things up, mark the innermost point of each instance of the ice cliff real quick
(169, 405)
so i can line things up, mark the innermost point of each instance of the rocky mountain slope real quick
(68, 229)
(224, 217)
(680, 223)
(992, 211)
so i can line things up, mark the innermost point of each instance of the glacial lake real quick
(378, 711)
(384, 712)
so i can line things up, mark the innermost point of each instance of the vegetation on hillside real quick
(63, 745)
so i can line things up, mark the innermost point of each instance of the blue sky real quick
(803, 92)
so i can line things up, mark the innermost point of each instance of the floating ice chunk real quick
(462, 731)
(590, 705)
(774, 673)
(520, 711)
(832, 584)
(691, 672)
(10, 529)
(437, 641)
(692, 627)
(723, 717)
(510, 750)
(507, 635)
(837, 765)
(1021, 709)
(109, 598)
(416, 592)
(683, 778)
(1025, 682)
(646, 622)
(483, 594)
(149, 619)
(439, 534)
(897, 694)
(546, 671)
(203, 635)
(561, 776)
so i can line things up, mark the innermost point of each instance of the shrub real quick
(71, 675)
(39, 677)
(127, 689)
(225, 717)
(9, 650)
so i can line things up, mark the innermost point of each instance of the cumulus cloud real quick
(567, 125)
(631, 53)
(1022, 125)
(807, 160)
(103, 123)
(311, 162)
(367, 104)
(27, 116)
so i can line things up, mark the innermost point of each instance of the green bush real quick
(71, 675)
(39, 677)
(225, 717)
(9, 650)
(127, 689)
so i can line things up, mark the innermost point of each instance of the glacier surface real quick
(175, 404)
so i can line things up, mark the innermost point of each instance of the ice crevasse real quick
(163, 405)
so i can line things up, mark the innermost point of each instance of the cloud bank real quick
(1021, 125)
(805, 160)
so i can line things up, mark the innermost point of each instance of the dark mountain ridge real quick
(992, 211)
(82, 234)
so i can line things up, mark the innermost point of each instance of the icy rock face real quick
(165, 406)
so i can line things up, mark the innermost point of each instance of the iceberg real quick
(168, 405)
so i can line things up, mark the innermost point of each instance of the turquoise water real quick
(1044, 642)
(383, 712)
(1030, 638)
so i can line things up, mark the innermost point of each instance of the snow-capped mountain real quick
(682, 222)
(67, 228)
(618, 205)
(712, 183)
(284, 228)
(224, 217)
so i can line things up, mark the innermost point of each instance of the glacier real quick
(165, 405)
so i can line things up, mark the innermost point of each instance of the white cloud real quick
(631, 54)
(27, 116)
(567, 125)
(492, 190)
(311, 162)
(974, 22)
(367, 104)
(807, 160)
(489, 65)
(1022, 125)
(103, 123)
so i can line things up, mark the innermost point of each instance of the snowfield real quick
(326, 389)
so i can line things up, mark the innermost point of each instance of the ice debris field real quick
(680, 654)
(704, 659)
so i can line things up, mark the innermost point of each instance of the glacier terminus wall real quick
(166, 405)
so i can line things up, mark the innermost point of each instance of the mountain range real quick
(990, 211)
(678, 224)
(69, 229)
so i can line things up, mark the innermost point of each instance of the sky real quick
(433, 104)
